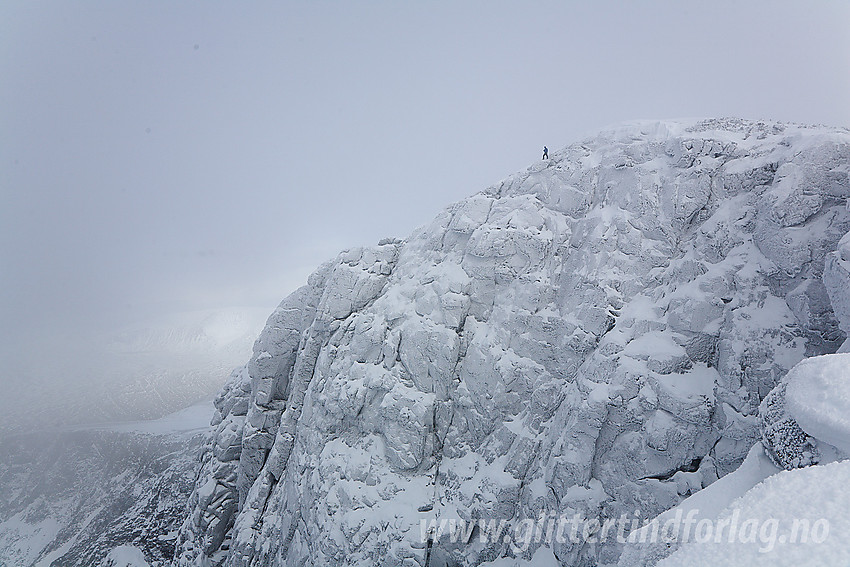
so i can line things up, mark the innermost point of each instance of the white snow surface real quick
(811, 497)
(194, 418)
(818, 398)
(125, 556)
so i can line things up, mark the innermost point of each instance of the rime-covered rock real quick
(784, 441)
(817, 396)
(836, 279)
(815, 392)
(592, 336)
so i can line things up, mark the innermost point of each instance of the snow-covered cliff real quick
(590, 337)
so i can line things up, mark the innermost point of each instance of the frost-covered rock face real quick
(836, 278)
(785, 442)
(591, 336)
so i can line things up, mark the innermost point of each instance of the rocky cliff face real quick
(592, 336)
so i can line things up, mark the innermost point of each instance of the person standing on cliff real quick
(545, 152)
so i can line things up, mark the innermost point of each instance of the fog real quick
(163, 163)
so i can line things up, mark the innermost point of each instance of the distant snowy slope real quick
(191, 419)
(143, 371)
(107, 495)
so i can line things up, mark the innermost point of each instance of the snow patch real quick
(125, 556)
(814, 498)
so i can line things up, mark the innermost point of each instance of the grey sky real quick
(165, 156)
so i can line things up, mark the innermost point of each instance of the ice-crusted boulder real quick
(808, 413)
(784, 441)
(590, 337)
(817, 396)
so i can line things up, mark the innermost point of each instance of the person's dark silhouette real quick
(545, 152)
